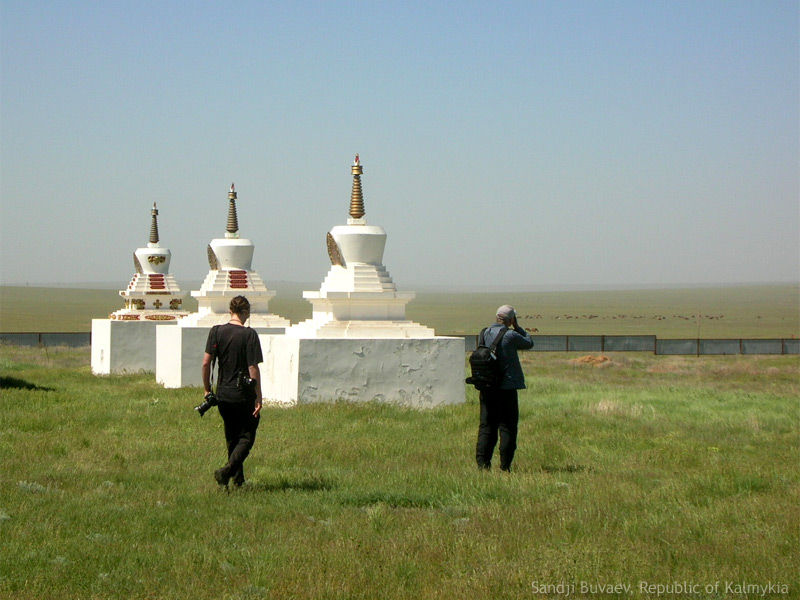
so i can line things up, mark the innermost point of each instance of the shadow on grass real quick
(285, 484)
(21, 384)
(390, 499)
(566, 468)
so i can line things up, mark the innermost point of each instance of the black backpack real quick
(486, 372)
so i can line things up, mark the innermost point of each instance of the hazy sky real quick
(512, 143)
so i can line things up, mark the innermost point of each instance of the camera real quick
(209, 400)
(246, 385)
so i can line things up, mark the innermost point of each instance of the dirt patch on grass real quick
(592, 361)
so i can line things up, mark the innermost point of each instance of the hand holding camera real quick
(209, 400)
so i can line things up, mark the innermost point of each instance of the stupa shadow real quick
(21, 384)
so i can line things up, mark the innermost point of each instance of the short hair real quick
(506, 312)
(239, 305)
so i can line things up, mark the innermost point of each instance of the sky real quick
(517, 144)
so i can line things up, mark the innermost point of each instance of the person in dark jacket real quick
(238, 353)
(500, 406)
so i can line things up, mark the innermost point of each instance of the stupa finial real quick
(154, 225)
(356, 196)
(233, 222)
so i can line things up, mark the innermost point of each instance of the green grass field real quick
(737, 311)
(649, 469)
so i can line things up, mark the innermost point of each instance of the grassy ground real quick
(736, 311)
(646, 468)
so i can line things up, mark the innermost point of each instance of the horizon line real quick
(461, 288)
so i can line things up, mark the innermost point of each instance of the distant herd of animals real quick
(652, 317)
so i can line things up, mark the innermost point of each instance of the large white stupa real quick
(358, 297)
(180, 349)
(126, 341)
(358, 344)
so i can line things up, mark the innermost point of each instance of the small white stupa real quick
(180, 349)
(126, 341)
(358, 344)
(152, 294)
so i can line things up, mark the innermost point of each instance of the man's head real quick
(240, 306)
(506, 314)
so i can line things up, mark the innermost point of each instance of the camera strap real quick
(214, 331)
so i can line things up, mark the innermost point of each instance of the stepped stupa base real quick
(159, 316)
(360, 329)
(416, 372)
(125, 346)
(256, 321)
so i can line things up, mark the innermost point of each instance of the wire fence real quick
(651, 343)
(47, 339)
(541, 343)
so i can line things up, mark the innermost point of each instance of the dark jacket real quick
(513, 378)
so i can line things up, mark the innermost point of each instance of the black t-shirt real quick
(236, 349)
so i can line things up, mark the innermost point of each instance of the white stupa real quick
(126, 341)
(180, 351)
(358, 297)
(231, 274)
(358, 344)
(152, 294)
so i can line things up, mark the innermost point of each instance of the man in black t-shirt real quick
(238, 352)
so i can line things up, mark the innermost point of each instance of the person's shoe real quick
(238, 477)
(222, 476)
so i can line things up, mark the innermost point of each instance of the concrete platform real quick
(179, 353)
(421, 373)
(125, 346)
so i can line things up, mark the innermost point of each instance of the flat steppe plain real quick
(753, 311)
(631, 477)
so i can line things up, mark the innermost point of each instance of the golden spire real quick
(233, 221)
(154, 225)
(356, 197)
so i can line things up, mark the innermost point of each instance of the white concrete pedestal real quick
(125, 346)
(180, 350)
(422, 373)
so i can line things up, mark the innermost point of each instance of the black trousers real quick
(499, 414)
(240, 435)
